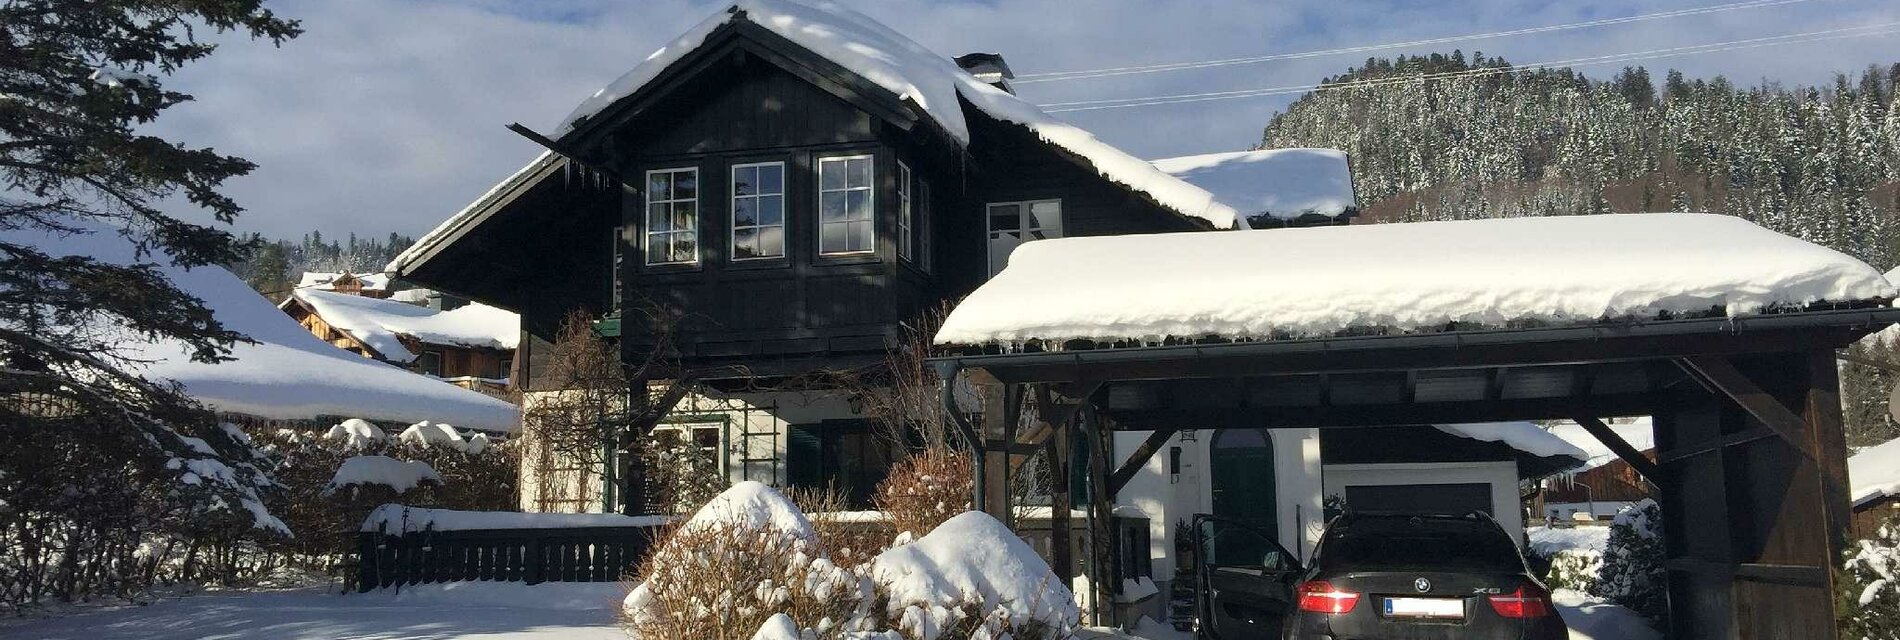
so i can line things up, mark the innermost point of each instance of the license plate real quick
(1451, 608)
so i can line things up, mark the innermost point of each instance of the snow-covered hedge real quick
(1573, 557)
(750, 564)
(1633, 574)
(1869, 599)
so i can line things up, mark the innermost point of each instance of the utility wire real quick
(1715, 47)
(1082, 74)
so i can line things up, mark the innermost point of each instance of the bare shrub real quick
(721, 582)
(849, 538)
(926, 489)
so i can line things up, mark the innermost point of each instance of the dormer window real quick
(672, 229)
(846, 210)
(758, 211)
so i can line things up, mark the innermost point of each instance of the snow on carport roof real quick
(933, 82)
(1522, 436)
(1874, 472)
(1321, 281)
(1281, 183)
(288, 374)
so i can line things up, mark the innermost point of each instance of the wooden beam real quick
(1137, 460)
(1060, 453)
(1622, 448)
(1385, 414)
(1730, 381)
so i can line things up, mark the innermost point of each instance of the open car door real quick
(1243, 580)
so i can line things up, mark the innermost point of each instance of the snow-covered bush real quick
(1574, 569)
(1868, 602)
(1569, 558)
(1633, 574)
(750, 565)
(925, 490)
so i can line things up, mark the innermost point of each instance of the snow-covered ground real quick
(553, 611)
(1546, 541)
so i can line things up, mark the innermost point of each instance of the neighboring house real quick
(1874, 474)
(1605, 484)
(373, 285)
(287, 377)
(800, 182)
(471, 346)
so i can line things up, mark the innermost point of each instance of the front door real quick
(1241, 462)
(1243, 580)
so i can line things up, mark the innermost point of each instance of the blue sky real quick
(388, 115)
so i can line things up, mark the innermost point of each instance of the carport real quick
(1740, 376)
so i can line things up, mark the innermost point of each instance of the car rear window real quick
(1398, 550)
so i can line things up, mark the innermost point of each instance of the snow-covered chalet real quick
(802, 185)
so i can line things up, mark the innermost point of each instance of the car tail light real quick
(1528, 601)
(1319, 596)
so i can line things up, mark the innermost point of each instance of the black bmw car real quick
(1382, 575)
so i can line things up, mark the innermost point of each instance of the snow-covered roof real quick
(322, 280)
(379, 323)
(1875, 472)
(1638, 433)
(288, 374)
(1281, 183)
(1320, 281)
(1522, 436)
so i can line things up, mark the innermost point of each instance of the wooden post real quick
(1059, 450)
(1102, 574)
(997, 413)
(1822, 413)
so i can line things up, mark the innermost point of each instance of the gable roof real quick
(381, 324)
(288, 374)
(1285, 184)
(327, 280)
(920, 79)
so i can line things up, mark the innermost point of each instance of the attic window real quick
(672, 229)
(758, 210)
(846, 222)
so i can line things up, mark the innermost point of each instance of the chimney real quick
(988, 67)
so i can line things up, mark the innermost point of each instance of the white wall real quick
(1502, 476)
(1167, 500)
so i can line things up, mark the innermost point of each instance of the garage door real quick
(1454, 499)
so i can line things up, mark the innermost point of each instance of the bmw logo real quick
(1422, 585)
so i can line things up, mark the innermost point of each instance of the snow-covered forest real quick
(1817, 163)
(272, 266)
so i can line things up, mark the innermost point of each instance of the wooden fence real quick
(579, 554)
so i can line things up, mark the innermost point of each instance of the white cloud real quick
(387, 115)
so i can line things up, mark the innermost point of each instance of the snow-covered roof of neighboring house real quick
(884, 58)
(380, 324)
(288, 374)
(1279, 183)
(1638, 433)
(1874, 473)
(322, 280)
(1423, 276)
(1522, 436)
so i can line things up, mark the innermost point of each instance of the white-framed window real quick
(1013, 223)
(847, 220)
(906, 221)
(672, 229)
(758, 211)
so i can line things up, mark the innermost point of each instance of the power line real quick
(1083, 74)
(1715, 47)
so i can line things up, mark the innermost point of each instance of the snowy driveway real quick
(556, 612)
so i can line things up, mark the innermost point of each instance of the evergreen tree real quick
(88, 447)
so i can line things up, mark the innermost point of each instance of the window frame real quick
(1022, 216)
(818, 212)
(906, 213)
(732, 211)
(646, 219)
(615, 263)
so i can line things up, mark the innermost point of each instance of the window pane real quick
(657, 251)
(1046, 215)
(657, 220)
(831, 238)
(744, 180)
(685, 216)
(831, 206)
(772, 179)
(771, 210)
(743, 214)
(858, 204)
(772, 241)
(684, 248)
(745, 243)
(1004, 217)
(860, 236)
(859, 172)
(830, 174)
(685, 185)
(657, 187)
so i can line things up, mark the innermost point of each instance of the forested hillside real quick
(273, 266)
(1441, 137)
